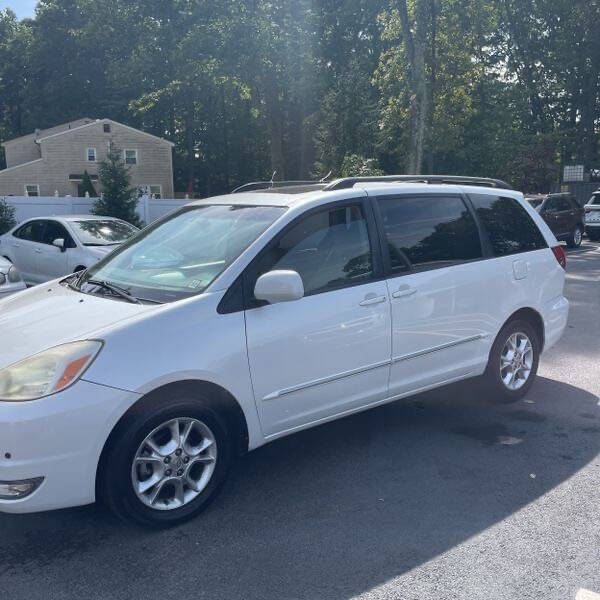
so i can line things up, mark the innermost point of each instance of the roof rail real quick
(348, 182)
(265, 185)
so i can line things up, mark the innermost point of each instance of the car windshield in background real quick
(595, 199)
(98, 232)
(182, 255)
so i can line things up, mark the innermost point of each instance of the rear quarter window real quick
(509, 227)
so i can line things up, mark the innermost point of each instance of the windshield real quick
(102, 232)
(595, 199)
(181, 255)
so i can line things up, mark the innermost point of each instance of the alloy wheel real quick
(516, 361)
(174, 463)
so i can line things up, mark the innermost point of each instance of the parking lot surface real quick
(439, 496)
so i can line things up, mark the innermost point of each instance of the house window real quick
(131, 157)
(32, 189)
(91, 154)
(106, 127)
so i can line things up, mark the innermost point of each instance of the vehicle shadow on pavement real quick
(328, 513)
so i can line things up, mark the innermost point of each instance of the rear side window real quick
(510, 229)
(430, 231)
(329, 249)
(32, 231)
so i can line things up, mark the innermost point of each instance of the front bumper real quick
(59, 438)
(555, 314)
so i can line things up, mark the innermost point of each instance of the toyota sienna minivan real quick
(243, 318)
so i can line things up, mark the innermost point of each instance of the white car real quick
(10, 279)
(592, 217)
(243, 318)
(50, 247)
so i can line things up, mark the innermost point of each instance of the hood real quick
(51, 314)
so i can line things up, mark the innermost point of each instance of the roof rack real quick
(348, 182)
(266, 185)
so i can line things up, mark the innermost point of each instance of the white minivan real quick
(242, 318)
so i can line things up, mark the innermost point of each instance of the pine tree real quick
(87, 185)
(7, 216)
(118, 199)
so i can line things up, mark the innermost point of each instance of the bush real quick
(7, 216)
(355, 165)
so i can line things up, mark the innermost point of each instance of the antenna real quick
(324, 179)
(273, 178)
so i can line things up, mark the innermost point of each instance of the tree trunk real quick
(415, 46)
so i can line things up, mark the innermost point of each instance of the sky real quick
(23, 8)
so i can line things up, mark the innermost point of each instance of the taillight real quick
(560, 256)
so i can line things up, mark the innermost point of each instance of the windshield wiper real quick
(115, 289)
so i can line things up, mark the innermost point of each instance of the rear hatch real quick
(592, 209)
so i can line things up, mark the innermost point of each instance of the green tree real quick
(87, 185)
(118, 198)
(7, 216)
(355, 165)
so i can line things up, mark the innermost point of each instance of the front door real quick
(328, 352)
(439, 309)
(52, 261)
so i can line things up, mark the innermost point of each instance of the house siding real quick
(65, 154)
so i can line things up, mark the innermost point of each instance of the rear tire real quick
(510, 375)
(187, 478)
(576, 237)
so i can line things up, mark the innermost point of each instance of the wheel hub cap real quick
(516, 361)
(174, 464)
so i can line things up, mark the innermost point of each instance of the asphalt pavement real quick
(440, 496)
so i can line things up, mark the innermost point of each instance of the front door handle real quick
(372, 299)
(38, 250)
(404, 291)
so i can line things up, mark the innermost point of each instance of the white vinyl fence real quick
(149, 209)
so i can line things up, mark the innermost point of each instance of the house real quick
(54, 160)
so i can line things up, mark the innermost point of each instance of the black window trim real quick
(240, 295)
(486, 252)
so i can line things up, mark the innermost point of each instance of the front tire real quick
(576, 237)
(513, 362)
(166, 462)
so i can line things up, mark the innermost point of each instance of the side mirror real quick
(59, 243)
(279, 286)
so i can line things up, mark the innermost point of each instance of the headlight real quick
(47, 372)
(13, 275)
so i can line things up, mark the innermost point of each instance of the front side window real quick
(329, 249)
(430, 231)
(54, 231)
(102, 232)
(180, 256)
(131, 157)
(32, 189)
(510, 229)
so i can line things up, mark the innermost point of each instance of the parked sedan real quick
(592, 216)
(563, 215)
(50, 247)
(10, 279)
